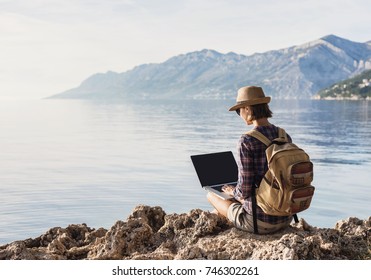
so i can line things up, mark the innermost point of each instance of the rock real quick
(150, 234)
(57, 243)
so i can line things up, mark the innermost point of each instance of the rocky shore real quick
(150, 234)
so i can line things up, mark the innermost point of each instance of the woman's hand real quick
(228, 189)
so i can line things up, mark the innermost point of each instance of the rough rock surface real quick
(148, 233)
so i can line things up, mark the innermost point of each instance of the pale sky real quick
(49, 46)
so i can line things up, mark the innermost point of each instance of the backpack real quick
(286, 187)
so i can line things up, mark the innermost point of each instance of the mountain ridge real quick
(297, 72)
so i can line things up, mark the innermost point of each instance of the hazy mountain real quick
(295, 72)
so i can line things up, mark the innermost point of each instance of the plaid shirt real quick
(252, 165)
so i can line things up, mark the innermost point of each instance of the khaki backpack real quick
(286, 187)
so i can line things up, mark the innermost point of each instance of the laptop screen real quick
(216, 168)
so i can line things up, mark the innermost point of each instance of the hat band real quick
(259, 100)
(245, 101)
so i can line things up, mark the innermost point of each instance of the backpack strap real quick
(296, 219)
(282, 134)
(254, 214)
(260, 136)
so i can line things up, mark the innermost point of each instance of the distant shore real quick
(356, 98)
(149, 233)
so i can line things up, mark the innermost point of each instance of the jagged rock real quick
(57, 243)
(136, 235)
(148, 233)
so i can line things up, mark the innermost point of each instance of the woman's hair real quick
(260, 111)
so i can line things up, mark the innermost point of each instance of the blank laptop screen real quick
(216, 168)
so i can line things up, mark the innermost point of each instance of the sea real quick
(68, 162)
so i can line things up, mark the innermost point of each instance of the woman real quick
(252, 107)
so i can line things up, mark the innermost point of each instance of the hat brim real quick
(257, 101)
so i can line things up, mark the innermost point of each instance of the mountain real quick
(358, 87)
(296, 72)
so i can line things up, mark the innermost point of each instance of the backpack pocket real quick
(300, 174)
(301, 199)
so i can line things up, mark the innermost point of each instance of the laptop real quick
(215, 170)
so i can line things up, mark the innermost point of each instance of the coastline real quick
(151, 234)
(353, 98)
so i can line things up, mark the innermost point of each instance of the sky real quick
(49, 46)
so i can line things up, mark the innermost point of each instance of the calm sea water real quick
(67, 162)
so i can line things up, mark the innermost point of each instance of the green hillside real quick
(358, 87)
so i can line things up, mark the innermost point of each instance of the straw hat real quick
(250, 95)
